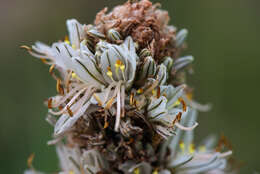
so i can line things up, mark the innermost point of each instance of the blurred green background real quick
(224, 39)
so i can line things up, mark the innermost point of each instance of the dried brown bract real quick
(142, 20)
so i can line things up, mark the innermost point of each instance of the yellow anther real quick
(182, 146)
(137, 171)
(122, 67)
(139, 91)
(66, 40)
(73, 46)
(202, 148)
(177, 103)
(155, 171)
(154, 92)
(191, 148)
(109, 72)
(71, 172)
(74, 75)
(118, 63)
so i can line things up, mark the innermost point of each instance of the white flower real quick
(166, 109)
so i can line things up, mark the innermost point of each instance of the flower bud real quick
(145, 53)
(95, 33)
(181, 37)
(148, 68)
(114, 35)
(168, 62)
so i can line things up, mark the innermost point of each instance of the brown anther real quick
(60, 107)
(44, 60)
(30, 160)
(69, 111)
(130, 141)
(109, 103)
(177, 118)
(108, 68)
(223, 142)
(106, 124)
(51, 68)
(158, 92)
(184, 106)
(59, 88)
(131, 99)
(98, 100)
(189, 95)
(140, 91)
(50, 103)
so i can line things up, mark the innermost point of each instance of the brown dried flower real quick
(142, 20)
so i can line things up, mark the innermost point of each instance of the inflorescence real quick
(122, 105)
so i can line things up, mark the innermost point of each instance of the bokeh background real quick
(224, 38)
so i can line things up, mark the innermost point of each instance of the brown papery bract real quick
(142, 20)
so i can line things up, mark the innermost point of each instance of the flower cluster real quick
(122, 104)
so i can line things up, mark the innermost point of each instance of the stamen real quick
(132, 99)
(140, 91)
(189, 96)
(191, 149)
(182, 146)
(177, 118)
(50, 103)
(66, 40)
(59, 87)
(51, 68)
(44, 60)
(26, 47)
(71, 172)
(154, 92)
(155, 171)
(110, 102)
(109, 73)
(74, 46)
(30, 160)
(69, 111)
(176, 103)
(158, 92)
(106, 124)
(70, 102)
(67, 81)
(136, 171)
(60, 108)
(184, 106)
(100, 103)
(117, 65)
(68, 95)
(202, 148)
